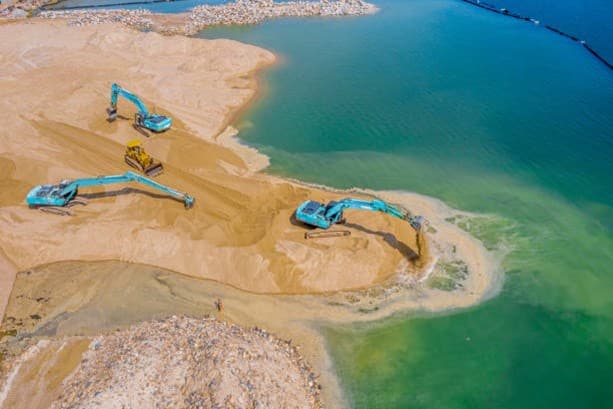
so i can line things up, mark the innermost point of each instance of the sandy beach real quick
(55, 81)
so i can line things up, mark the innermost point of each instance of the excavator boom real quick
(61, 194)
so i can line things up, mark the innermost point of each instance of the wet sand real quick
(55, 83)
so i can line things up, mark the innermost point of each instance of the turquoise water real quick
(493, 116)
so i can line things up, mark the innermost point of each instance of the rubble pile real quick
(138, 18)
(256, 11)
(21, 8)
(238, 12)
(192, 363)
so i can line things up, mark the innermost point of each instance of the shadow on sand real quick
(390, 239)
(125, 191)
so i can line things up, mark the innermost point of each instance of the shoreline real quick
(221, 173)
(299, 318)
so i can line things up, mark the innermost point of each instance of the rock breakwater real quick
(236, 13)
(139, 19)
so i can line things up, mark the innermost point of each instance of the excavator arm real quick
(375, 205)
(116, 90)
(65, 191)
(320, 215)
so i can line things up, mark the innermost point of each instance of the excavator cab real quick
(138, 158)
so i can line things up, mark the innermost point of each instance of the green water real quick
(492, 116)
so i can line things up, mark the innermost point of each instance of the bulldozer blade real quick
(155, 170)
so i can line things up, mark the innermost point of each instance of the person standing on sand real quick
(219, 305)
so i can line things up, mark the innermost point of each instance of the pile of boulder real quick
(21, 8)
(256, 11)
(191, 363)
(235, 13)
(139, 19)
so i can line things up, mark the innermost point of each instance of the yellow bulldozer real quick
(137, 158)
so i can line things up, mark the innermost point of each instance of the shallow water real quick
(491, 115)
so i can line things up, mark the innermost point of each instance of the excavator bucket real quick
(154, 170)
(188, 201)
(112, 114)
(417, 222)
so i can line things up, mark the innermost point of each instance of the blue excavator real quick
(142, 119)
(325, 215)
(55, 198)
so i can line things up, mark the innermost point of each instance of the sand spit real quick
(235, 13)
(175, 362)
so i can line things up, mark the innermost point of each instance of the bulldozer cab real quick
(135, 146)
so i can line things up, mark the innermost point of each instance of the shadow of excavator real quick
(389, 238)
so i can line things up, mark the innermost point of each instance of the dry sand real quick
(55, 81)
(55, 84)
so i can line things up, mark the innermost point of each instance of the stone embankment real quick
(191, 363)
(139, 19)
(235, 13)
(17, 9)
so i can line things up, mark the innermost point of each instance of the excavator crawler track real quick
(151, 171)
(141, 130)
(78, 201)
(133, 163)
